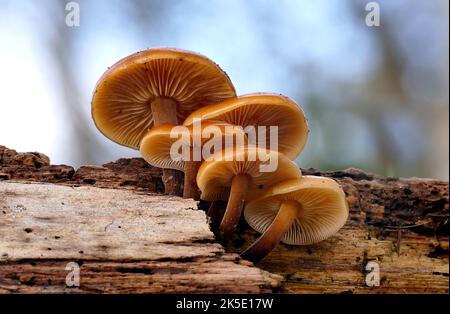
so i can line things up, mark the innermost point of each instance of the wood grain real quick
(401, 224)
(125, 241)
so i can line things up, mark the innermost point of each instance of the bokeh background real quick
(376, 98)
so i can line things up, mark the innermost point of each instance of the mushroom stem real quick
(238, 193)
(215, 213)
(191, 189)
(164, 110)
(271, 237)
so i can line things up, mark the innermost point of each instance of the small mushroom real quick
(209, 138)
(297, 212)
(235, 174)
(261, 109)
(155, 87)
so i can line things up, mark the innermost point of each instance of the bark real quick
(402, 224)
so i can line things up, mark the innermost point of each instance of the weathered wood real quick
(197, 275)
(45, 221)
(126, 241)
(402, 224)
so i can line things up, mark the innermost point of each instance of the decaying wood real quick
(126, 242)
(415, 262)
(402, 224)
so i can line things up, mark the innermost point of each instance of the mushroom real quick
(297, 212)
(197, 142)
(236, 174)
(261, 109)
(154, 87)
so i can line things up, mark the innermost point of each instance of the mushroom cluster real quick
(182, 112)
(152, 88)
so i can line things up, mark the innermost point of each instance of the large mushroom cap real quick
(215, 175)
(121, 101)
(262, 109)
(156, 144)
(322, 209)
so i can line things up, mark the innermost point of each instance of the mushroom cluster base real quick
(95, 216)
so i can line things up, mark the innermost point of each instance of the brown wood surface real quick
(402, 224)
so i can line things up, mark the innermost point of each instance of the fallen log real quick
(399, 225)
(123, 241)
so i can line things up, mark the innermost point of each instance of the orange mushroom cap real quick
(157, 143)
(262, 109)
(121, 100)
(215, 175)
(322, 209)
